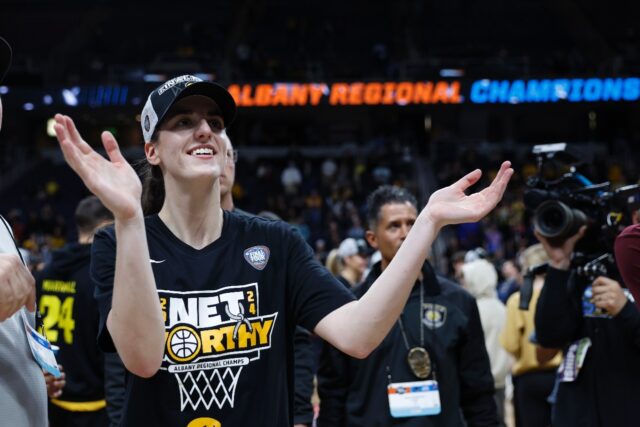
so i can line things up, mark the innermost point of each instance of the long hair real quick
(152, 188)
(152, 184)
(333, 262)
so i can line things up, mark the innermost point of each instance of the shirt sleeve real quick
(627, 250)
(102, 270)
(314, 292)
(558, 317)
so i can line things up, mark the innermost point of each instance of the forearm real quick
(135, 321)
(371, 318)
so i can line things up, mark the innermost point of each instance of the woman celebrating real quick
(201, 304)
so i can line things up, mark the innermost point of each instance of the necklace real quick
(417, 357)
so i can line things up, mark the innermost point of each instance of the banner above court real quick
(355, 94)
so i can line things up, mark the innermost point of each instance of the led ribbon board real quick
(554, 90)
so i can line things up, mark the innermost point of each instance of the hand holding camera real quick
(608, 295)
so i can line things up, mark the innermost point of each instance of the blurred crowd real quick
(325, 198)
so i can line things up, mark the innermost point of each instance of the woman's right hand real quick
(113, 181)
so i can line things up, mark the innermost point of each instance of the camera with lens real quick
(564, 204)
(563, 200)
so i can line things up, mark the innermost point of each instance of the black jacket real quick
(87, 372)
(70, 314)
(354, 392)
(607, 389)
(304, 368)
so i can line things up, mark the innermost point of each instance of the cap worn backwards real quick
(166, 95)
(5, 58)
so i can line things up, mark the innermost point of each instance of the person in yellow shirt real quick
(535, 367)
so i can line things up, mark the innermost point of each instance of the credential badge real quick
(257, 256)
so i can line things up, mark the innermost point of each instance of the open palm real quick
(450, 205)
(112, 180)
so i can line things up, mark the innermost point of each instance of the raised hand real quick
(113, 181)
(17, 286)
(450, 205)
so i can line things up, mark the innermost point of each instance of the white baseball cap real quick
(351, 246)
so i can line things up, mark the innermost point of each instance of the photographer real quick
(599, 329)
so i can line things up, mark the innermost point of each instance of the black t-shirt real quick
(230, 310)
(70, 318)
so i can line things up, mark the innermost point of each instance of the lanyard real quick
(404, 334)
(418, 358)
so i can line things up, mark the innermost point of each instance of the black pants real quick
(530, 393)
(59, 417)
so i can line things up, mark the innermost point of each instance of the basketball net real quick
(206, 387)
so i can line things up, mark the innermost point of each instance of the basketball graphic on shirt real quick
(183, 343)
(211, 336)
